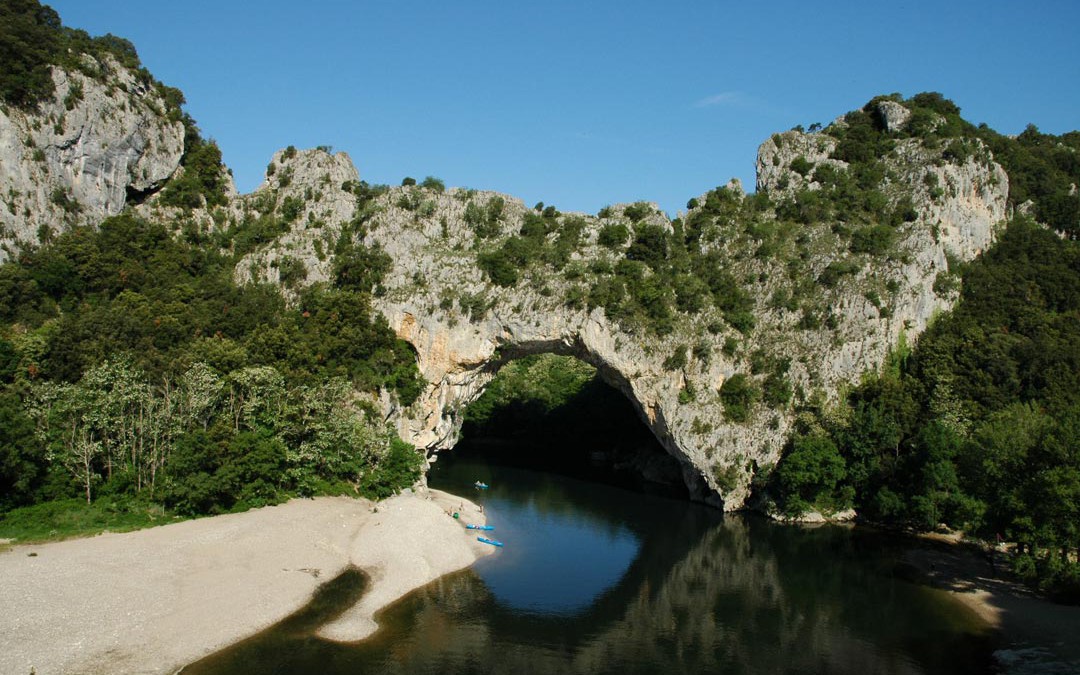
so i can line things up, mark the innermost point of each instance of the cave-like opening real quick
(555, 413)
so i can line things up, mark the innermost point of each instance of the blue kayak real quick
(480, 527)
(489, 541)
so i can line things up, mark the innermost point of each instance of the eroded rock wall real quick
(73, 159)
(432, 293)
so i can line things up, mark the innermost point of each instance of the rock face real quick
(776, 155)
(463, 327)
(318, 186)
(77, 157)
(893, 115)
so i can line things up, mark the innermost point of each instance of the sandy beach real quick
(155, 600)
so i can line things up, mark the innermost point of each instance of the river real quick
(595, 578)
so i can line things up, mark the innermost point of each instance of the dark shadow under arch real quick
(597, 434)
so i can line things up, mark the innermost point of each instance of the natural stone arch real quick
(458, 361)
(575, 347)
(459, 322)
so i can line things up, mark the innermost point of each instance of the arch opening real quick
(554, 412)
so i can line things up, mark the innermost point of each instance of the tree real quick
(811, 474)
(198, 393)
(433, 183)
(256, 397)
(61, 413)
(22, 462)
(327, 436)
(29, 44)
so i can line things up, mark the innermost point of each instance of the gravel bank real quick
(154, 600)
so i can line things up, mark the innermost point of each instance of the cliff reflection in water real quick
(701, 594)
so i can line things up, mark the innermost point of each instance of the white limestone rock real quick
(775, 156)
(894, 115)
(435, 273)
(73, 159)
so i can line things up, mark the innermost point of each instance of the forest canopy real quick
(133, 367)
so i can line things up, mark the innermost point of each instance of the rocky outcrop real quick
(775, 173)
(314, 187)
(893, 115)
(78, 156)
(463, 326)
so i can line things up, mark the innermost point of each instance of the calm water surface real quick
(597, 579)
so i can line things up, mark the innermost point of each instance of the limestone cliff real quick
(859, 304)
(78, 156)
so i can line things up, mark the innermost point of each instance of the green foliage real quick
(836, 270)
(727, 477)
(738, 394)
(23, 465)
(473, 305)
(862, 139)
(65, 518)
(638, 211)
(253, 415)
(553, 397)
(433, 183)
(539, 384)
(802, 166)
(650, 245)
(31, 40)
(776, 390)
(873, 239)
(1042, 168)
(202, 182)
(291, 271)
(677, 360)
(613, 235)
(810, 476)
(208, 475)
(485, 220)
(359, 267)
(62, 198)
(398, 469)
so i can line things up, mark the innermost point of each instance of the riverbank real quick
(1037, 635)
(154, 600)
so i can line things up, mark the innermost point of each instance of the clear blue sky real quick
(582, 104)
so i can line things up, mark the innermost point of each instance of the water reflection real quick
(677, 589)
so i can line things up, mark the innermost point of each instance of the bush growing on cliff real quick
(433, 183)
(359, 267)
(738, 394)
(613, 235)
(202, 181)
